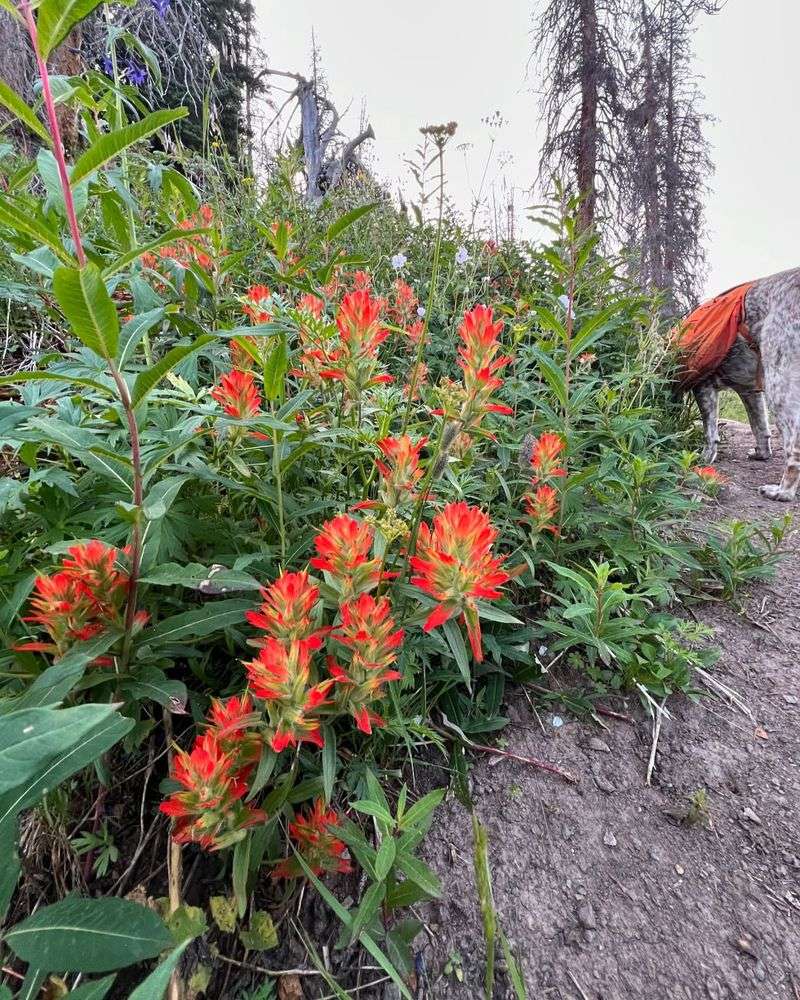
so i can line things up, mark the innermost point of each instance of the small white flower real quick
(564, 300)
(421, 312)
(399, 261)
(462, 256)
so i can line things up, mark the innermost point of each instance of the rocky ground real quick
(603, 892)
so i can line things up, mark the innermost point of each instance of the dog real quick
(763, 361)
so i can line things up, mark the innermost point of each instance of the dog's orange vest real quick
(708, 333)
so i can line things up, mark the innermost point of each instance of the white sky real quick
(418, 62)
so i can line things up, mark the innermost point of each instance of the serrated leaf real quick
(261, 935)
(223, 913)
(147, 380)
(84, 298)
(17, 106)
(108, 146)
(89, 935)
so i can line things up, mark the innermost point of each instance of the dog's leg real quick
(708, 401)
(756, 407)
(780, 350)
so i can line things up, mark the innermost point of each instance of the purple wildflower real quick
(107, 65)
(161, 6)
(135, 72)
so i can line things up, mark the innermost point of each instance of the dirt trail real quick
(602, 893)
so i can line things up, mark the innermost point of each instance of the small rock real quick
(790, 699)
(753, 817)
(604, 784)
(679, 869)
(556, 722)
(598, 745)
(587, 917)
(760, 972)
(609, 839)
(745, 945)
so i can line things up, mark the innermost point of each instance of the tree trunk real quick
(587, 136)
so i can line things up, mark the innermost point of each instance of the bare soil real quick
(602, 891)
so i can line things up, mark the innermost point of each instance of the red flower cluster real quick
(239, 397)
(712, 479)
(400, 472)
(479, 361)
(209, 811)
(454, 564)
(368, 631)
(404, 302)
(286, 610)
(85, 597)
(343, 547)
(542, 502)
(256, 295)
(360, 333)
(312, 832)
(194, 248)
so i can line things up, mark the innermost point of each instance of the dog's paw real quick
(759, 456)
(774, 491)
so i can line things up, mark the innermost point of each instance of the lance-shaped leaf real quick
(11, 100)
(148, 379)
(108, 146)
(24, 222)
(89, 935)
(82, 294)
(56, 18)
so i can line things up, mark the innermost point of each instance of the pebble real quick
(609, 839)
(790, 699)
(753, 817)
(587, 917)
(600, 746)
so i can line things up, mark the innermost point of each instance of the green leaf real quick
(384, 859)
(200, 622)
(133, 332)
(493, 614)
(111, 145)
(32, 737)
(261, 935)
(223, 913)
(152, 683)
(347, 220)
(514, 970)
(197, 577)
(240, 872)
(148, 379)
(55, 377)
(64, 765)
(186, 923)
(419, 873)
(170, 236)
(93, 991)
(9, 874)
(82, 294)
(56, 18)
(89, 935)
(27, 223)
(371, 946)
(155, 986)
(329, 762)
(370, 905)
(455, 640)
(275, 369)
(422, 809)
(14, 103)
(373, 809)
(52, 686)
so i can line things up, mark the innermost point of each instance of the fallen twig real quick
(543, 765)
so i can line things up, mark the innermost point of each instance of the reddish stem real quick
(55, 132)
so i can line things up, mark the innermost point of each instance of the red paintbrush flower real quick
(404, 303)
(311, 304)
(285, 612)
(369, 632)
(454, 564)
(362, 281)
(545, 457)
(401, 471)
(343, 546)
(231, 723)
(209, 810)
(312, 832)
(237, 395)
(281, 676)
(480, 345)
(543, 506)
(361, 333)
(253, 304)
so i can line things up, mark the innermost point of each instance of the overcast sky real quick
(415, 62)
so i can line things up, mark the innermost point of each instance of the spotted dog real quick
(763, 361)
